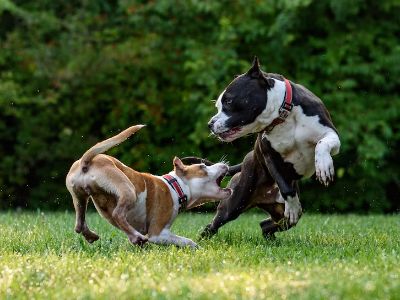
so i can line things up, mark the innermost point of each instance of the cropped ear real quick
(255, 71)
(179, 167)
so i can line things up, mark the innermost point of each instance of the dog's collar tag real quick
(285, 108)
(182, 197)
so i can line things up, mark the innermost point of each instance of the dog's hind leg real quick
(277, 222)
(80, 199)
(125, 201)
(274, 205)
(118, 184)
(80, 203)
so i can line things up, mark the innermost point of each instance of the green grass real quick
(324, 257)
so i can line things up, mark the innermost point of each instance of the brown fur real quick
(194, 172)
(137, 203)
(114, 208)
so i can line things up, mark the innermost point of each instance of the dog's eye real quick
(228, 101)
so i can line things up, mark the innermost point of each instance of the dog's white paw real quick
(324, 168)
(193, 245)
(292, 209)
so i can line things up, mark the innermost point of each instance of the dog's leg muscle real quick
(327, 146)
(125, 200)
(287, 190)
(119, 185)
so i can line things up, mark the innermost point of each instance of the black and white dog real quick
(296, 138)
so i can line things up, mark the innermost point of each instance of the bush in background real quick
(75, 72)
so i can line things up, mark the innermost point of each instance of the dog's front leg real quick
(166, 237)
(293, 209)
(327, 146)
(243, 185)
(288, 191)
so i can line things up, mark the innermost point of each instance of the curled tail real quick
(107, 144)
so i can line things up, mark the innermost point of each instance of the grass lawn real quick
(324, 257)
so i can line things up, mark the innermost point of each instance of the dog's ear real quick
(255, 71)
(179, 167)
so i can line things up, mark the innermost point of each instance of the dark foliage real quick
(75, 72)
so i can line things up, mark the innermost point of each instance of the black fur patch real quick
(244, 100)
(285, 169)
(311, 105)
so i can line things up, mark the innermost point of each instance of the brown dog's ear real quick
(255, 71)
(179, 167)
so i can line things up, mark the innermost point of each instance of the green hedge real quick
(75, 72)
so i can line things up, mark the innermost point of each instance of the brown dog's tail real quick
(107, 144)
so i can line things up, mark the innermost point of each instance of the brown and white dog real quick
(140, 204)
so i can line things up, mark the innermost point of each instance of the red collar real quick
(285, 108)
(182, 197)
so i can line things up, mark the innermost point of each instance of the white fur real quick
(275, 97)
(221, 117)
(167, 237)
(295, 140)
(327, 146)
(301, 140)
(218, 104)
(292, 209)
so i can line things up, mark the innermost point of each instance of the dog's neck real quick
(185, 189)
(275, 98)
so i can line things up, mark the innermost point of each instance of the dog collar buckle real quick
(284, 112)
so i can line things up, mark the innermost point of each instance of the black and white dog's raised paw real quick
(324, 169)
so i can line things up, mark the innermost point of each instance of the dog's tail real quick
(107, 144)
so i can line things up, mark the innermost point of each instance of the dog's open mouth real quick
(219, 179)
(230, 132)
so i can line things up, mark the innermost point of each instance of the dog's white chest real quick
(295, 141)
